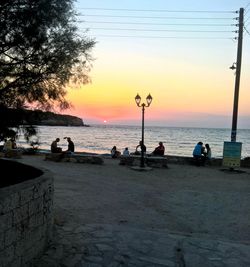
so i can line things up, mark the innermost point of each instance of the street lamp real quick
(143, 105)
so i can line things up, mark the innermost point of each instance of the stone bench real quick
(151, 161)
(78, 158)
(157, 161)
(191, 161)
(13, 153)
(131, 160)
(53, 156)
(127, 160)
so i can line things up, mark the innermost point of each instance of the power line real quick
(246, 30)
(163, 37)
(153, 17)
(154, 30)
(155, 10)
(156, 24)
(247, 5)
(246, 19)
(217, 22)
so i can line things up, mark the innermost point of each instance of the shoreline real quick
(100, 140)
(174, 159)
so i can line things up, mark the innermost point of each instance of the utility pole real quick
(237, 76)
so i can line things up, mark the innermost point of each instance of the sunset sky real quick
(175, 50)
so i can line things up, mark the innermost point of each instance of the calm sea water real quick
(177, 141)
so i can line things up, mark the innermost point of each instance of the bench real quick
(150, 161)
(191, 161)
(13, 153)
(78, 158)
(157, 161)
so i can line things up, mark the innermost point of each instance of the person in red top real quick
(160, 150)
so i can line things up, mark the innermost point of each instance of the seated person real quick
(125, 152)
(142, 147)
(7, 145)
(54, 148)
(208, 153)
(160, 150)
(71, 145)
(199, 153)
(115, 153)
(13, 141)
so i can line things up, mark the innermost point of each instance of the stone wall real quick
(26, 220)
(213, 162)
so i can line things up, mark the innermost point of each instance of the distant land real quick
(47, 118)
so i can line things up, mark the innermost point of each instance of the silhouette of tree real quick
(40, 53)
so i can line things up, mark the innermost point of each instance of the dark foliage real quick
(13, 120)
(40, 53)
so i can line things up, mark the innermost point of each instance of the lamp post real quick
(143, 105)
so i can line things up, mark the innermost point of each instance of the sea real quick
(178, 141)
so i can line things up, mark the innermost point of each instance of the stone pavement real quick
(111, 216)
(97, 245)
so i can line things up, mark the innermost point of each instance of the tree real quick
(40, 53)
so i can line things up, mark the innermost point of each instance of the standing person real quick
(142, 147)
(198, 154)
(160, 150)
(54, 148)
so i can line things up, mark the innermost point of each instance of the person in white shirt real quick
(126, 152)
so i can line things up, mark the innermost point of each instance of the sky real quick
(178, 51)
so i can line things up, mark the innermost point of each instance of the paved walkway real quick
(116, 246)
(112, 216)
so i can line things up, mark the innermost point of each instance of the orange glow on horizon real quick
(180, 88)
(109, 103)
(188, 77)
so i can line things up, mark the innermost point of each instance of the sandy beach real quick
(194, 216)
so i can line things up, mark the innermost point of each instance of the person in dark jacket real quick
(142, 147)
(54, 148)
(71, 145)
